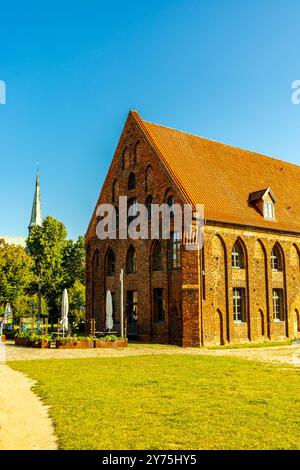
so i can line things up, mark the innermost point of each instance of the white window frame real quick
(239, 305)
(278, 311)
(269, 212)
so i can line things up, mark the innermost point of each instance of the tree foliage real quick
(16, 273)
(58, 262)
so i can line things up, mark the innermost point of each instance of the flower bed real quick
(111, 341)
(74, 343)
(32, 340)
(28, 339)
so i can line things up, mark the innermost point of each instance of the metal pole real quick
(122, 303)
(39, 301)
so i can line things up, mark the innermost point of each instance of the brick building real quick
(243, 285)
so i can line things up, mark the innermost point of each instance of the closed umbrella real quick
(109, 311)
(64, 311)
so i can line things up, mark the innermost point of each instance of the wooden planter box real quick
(41, 344)
(120, 343)
(21, 342)
(3, 338)
(75, 345)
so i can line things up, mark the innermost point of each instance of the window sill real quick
(239, 322)
(278, 321)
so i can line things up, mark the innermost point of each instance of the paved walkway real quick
(24, 420)
(279, 354)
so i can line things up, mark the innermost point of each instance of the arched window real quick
(237, 255)
(117, 221)
(170, 202)
(131, 262)
(296, 322)
(131, 181)
(115, 191)
(295, 257)
(110, 263)
(125, 158)
(148, 177)
(148, 203)
(156, 256)
(137, 153)
(95, 260)
(276, 259)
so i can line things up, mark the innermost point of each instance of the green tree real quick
(74, 261)
(16, 274)
(77, 301)
(58, 262)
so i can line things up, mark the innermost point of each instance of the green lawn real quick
(169, 402)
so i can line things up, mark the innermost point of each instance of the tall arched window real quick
(148, 203)
(110, 263)
(131, 181)
(156, 256)
(171, 202)
(148, 177)
(125, 158)
(115, 191)
(276, 258)
(131, 262)
(237, 255)
(295, 257)
(95, 260)
(137, 153)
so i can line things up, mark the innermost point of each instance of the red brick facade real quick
(207, 275)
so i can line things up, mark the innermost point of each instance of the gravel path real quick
(24, 420)
(279, 354)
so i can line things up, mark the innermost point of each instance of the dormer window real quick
(268, 210)
(264, 200)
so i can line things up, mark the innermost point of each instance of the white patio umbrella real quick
(64, 311)
(109, 311)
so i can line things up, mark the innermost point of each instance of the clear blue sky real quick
(73, 69)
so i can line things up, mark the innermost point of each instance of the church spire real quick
(36, 213)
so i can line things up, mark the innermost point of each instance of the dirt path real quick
(24, 420)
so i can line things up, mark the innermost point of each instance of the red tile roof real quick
(222, 177)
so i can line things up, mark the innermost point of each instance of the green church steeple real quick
(36, 213)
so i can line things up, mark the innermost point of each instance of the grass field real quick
(169, 402)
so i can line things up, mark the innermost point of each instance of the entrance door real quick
(132, 313)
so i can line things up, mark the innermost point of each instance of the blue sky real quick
(220, 69)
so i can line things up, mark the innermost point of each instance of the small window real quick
(278, 304)
(110, 263)
(276, 260)
(131, 181)
(132, 209)
(156, 256)
(269, 210)
(170, 202)
(239, 305)
(149, 201)
(131, 264)
(159, 311)
(237, 256)
(174, 250)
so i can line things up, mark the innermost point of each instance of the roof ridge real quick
(247, 151)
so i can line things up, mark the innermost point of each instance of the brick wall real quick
(188, 322)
